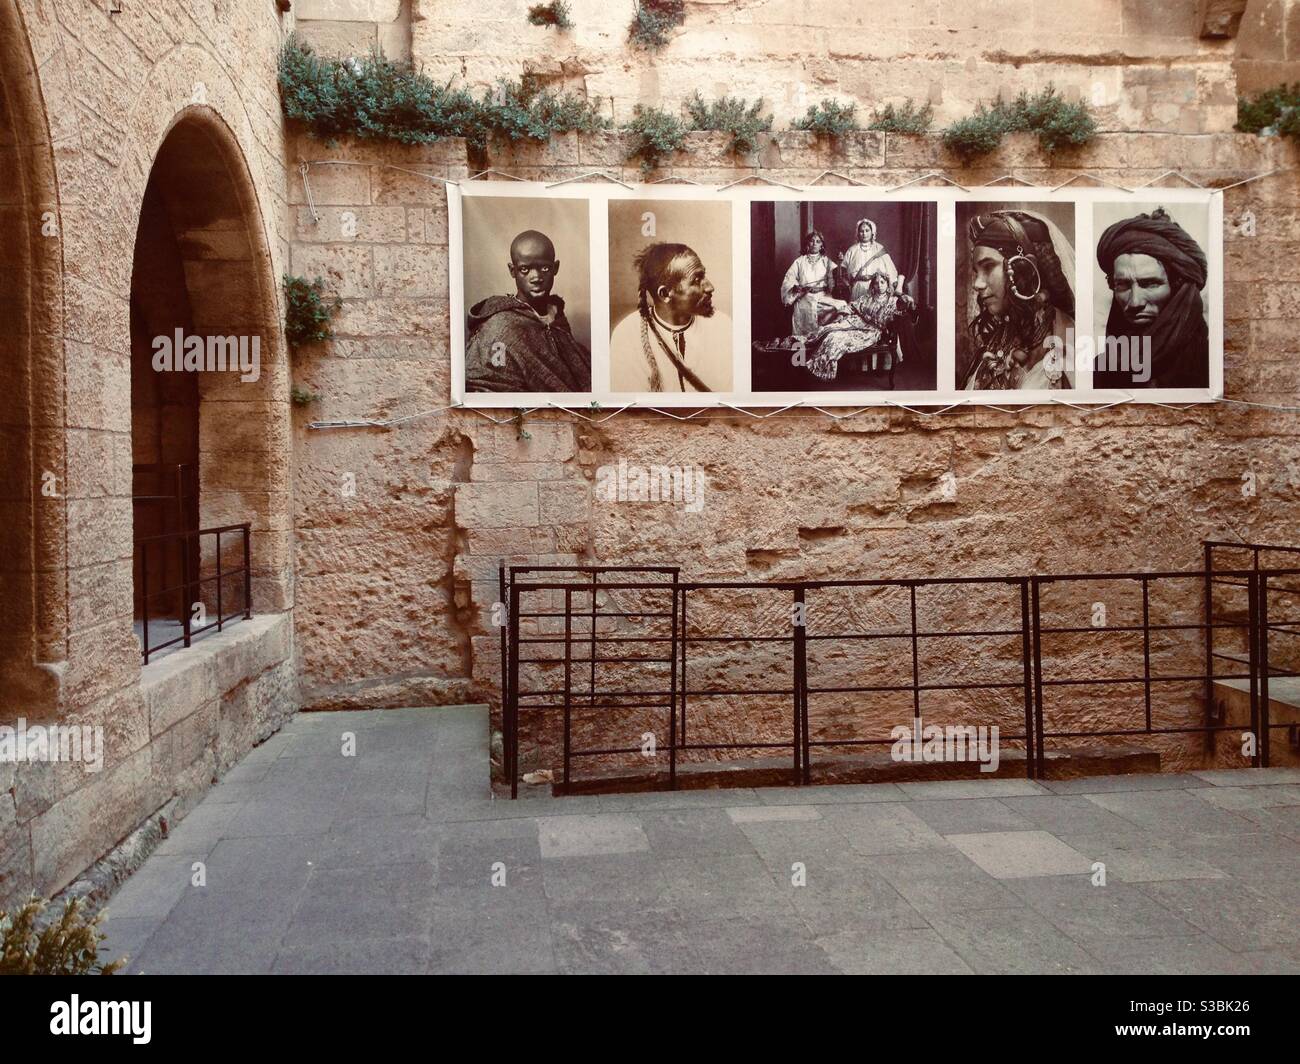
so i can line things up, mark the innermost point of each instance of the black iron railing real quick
(552, 629)
(205, 573)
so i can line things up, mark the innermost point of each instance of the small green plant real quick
(307, 313)
(66, 946)
(1273, 113)
(556, 14)
(522, 110)
(656, 135)
(521, 433)
(653, 22)
(1058, 123)
(829, 118)
(302, 396)
(738, 117)
(374, 97)
(907, 118)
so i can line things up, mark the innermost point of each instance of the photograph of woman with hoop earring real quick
(1017, 299)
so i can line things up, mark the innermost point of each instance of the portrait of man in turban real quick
(1155, 271)
(1019, 299)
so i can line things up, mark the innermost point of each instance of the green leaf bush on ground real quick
(68, 945)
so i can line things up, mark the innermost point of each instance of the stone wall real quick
(443, 499)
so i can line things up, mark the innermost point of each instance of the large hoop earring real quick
(1011, 274)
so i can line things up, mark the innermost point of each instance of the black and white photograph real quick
(670, 281)
(528, 294)
(1149, 309)
(842, 296)
(1015, 285)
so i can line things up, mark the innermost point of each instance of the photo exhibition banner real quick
(760, 296)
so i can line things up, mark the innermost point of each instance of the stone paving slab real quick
(399, 859)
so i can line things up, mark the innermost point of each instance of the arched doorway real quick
(207, 389)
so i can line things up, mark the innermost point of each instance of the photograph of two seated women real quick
(843, 296)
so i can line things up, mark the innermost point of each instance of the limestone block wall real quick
(1141, 63)
(1046, 490)
(355, 27)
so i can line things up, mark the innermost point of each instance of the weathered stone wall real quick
(1142, 63)
(355, 27)
(801, 495)
(100, 87)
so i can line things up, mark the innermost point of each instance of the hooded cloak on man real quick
(1180, 338)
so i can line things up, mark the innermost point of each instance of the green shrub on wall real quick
(556, 14)
(1058, 123)
(906, 118)
(1273, 113)
(653, 22)
(829, 119)
(306, 313)
(521, 110)
(656, 135)
(737, 117)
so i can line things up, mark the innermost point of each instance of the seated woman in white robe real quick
(807, 287)
(866, 259)
(862, 326)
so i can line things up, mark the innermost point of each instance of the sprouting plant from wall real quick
(740, 118)
(556, 14)
(522, 110)
(521, 433)
(307, 312)
(653, 22)
(1058, 123)
(374, 97)
(66, 946)
(829, 118)
(656, 135)
(907, 118)
(303, 396)
(1273, 113)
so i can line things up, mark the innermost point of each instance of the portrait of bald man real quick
(527, 286)
(1155, 271)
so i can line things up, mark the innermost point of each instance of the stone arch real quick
(33, 508)
(202, 265)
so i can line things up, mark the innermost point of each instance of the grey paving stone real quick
(1237, 799)
(615, 939)
(1249, 777)
(1140, 858)
(1020, 854)
(218, 932)
(760, 814)
(915, 951)
(695, 799)
(199, 832)
(274, 867)
(848, 895)
(305, 779)
(1230, 911)
(585, 836)
(936, 883)
(477, 862)
(985, 788)
(395, 840)
(1128, 783)
(1194, 954)
(1283, 820)
(393, 793)
(490, 931)
(282, 816)
(965, 817)
(1172, 813)
(1068, 815)
(694, 832)
(154, 889)
(743, 945)
(125, 937)
(1012, 941)
(1096, 914)
(782, 842)
(632, 878)
(883, 828)
(722, 887)
(358, 904)
(397, 956)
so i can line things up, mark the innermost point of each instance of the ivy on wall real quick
(307, 311)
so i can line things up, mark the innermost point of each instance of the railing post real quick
(1210, 714)
(1253, 639)
(799, 666)
(218, 575)
(512, 687)
(186, 576)
(144, 597)
(1026, 654)
(916, 659)
(248, 572)
(568, 680)
(1146, 650)
(1035, 607)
